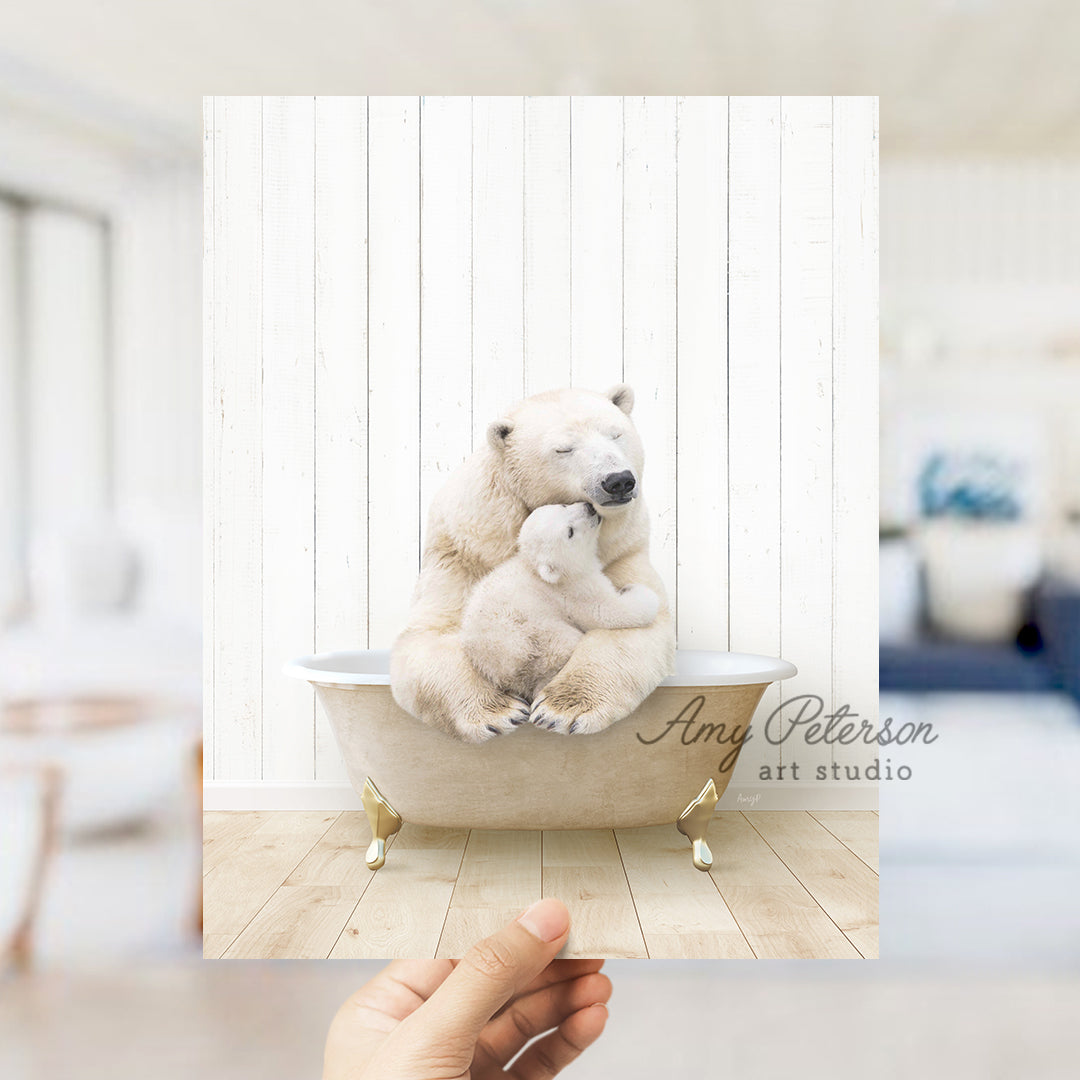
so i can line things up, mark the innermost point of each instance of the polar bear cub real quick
(524, 619)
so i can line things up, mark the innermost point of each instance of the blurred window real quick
(56, 407)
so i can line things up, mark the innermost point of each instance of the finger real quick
(399, 989)
(492, 972)
(538, 1012)
(558, 971)
(548, 1056)
(371, 1013)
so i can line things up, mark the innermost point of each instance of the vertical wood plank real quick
(649, 277)
(446, 293)
(754, 400)
(547, 243)
(596, 242)
(701, 377)
(855, 404)
(806, 411)
(288, 443)
(498, 259)
(237, 423)
(538, 223)
(394, 375)
(341, 392)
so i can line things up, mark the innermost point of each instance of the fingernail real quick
(546, 919)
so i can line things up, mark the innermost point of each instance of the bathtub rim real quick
(333, 668)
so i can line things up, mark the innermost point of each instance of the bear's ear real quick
(622, 396)
(548, 573)
(498, 432)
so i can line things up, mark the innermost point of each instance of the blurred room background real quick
(980, 548)
(100, 499)
(100, 403)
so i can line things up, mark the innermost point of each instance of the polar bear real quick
(562, 446)
(524, 619)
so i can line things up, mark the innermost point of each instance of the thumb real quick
(491, 973)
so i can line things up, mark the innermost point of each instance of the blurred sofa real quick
(1044, 657)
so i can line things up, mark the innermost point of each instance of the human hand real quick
(465, 1020)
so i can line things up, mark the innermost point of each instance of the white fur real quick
(523, 620)
(473, 527)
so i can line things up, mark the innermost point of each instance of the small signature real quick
(747, 800)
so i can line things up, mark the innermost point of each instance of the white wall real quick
(157, 385)
(981, 317)
(12, 479)
(99, 352)
(382, 276)
(984, 253)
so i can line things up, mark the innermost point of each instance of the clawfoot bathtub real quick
(668, 761)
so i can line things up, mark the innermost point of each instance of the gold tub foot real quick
(694, 820)
(384, 821)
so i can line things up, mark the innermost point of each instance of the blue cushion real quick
(949, 665)
(1057, 610)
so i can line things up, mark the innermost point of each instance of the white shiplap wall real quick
(384, 275)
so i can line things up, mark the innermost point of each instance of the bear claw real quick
(495, 718)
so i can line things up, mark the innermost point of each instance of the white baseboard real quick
(782, 795)
(275, 795)
(313, 795)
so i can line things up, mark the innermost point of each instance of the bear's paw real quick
(570, 714)
(496, 714)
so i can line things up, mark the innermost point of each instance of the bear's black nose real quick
(618, 484)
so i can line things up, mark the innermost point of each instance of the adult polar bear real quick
(563, 446)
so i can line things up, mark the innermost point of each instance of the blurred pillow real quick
(88, 568)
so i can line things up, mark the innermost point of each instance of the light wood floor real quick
(785, 884)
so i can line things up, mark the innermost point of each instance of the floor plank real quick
(693, 946)
(671, 896)
(238, 886)
(784, 922)
(784, 885)
(773, 909)
(857, 830)
(226, 831)
(842, 884)
(741, 856)
(230, 824)
(338, 858)
(214, 945)
(299, 922)
(585, 871)
(500, 877)
(865, 939)
(402, 911)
